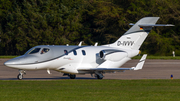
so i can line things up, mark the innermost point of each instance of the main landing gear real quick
(20, 75)
(99, 75)
(72, 76)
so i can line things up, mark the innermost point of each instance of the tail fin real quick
(136, 35)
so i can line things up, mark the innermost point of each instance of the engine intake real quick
(102, 54)
(112, 55)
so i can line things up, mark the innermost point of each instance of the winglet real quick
(141, 63)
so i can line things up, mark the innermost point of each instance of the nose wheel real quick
(20, 75)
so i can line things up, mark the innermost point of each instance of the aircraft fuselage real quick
(64, 58)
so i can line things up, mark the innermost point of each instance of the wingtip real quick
(141, 63)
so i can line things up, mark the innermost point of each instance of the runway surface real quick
(153, 69)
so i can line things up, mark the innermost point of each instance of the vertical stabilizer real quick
(136, 35)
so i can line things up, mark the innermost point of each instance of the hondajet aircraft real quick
(97, 60)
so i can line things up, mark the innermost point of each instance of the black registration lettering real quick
(125, 43)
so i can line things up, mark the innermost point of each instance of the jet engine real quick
(112, 55)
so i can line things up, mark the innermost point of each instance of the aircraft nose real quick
(14, 61)
(7, 63)
(19, 61)
(11, 62)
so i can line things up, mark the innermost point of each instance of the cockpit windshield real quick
(44, 50)
(34, 50)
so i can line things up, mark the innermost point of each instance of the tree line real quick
(28, 23)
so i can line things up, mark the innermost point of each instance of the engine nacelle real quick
(112, 55)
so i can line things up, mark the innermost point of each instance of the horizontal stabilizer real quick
(152, 25)
(141, 63)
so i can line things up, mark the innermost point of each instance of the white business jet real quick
(97, 60)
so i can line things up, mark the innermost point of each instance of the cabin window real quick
(74, 51)
(44, 50)
(65, 52)
(34, 50)
(83, 52)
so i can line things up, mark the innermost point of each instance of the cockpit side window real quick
(65, 52)
(44, 50)
(34, 50)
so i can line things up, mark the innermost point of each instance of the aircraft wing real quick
(138, 66)
(104, 69)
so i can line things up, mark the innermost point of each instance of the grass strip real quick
(90, 90)
(7, 57)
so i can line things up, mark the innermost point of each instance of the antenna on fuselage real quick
(48, 71)
(96, 44)
(80, 43)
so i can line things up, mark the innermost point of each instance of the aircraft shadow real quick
(56, 78)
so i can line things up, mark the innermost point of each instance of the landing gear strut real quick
(20, 75)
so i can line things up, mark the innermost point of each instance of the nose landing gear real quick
(20, 75)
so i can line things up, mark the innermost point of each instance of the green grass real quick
(7, 57)
(91, 90)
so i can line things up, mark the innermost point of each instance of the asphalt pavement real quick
(153, 69)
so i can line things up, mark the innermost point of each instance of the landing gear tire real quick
(99, 77)
(72, 76)
(20, 76)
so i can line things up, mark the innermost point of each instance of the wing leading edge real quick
(138, 66)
